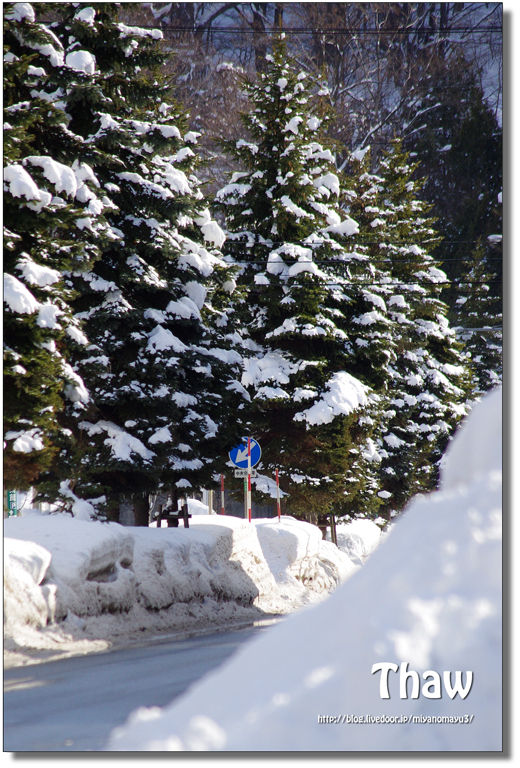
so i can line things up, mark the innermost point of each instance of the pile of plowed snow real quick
(424, 613)
(75, 585)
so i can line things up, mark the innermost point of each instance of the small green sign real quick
(12, 503)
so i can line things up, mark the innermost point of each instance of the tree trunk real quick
(278, 16)
(141, 510)
(259, 37)
(134, 510)
(126, 511)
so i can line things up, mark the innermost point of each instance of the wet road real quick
(73, 704)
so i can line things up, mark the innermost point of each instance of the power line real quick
(277, 243)
(411, 283)
(373, 258)
(384, 241)
(316, 31)
(201, 28)
(461, 329)
(373, 262)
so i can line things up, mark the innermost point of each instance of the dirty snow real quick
(73, 585)
(430, 596)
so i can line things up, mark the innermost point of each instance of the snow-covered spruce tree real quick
(299, 288)
(46, 209)
(478, 322)
(372, 327)
(430, 379)
(477, 312)
(161, 373)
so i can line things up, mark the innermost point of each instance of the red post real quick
(249, 478)
(278, 495)
(222, 510)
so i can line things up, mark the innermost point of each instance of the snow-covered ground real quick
(429, 596)
(77, 586)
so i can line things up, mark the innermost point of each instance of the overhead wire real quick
(339, 262)
(360, 243)
(316, 30)
(385, 259)
(409, 283)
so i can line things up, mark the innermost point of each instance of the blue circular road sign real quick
(238, 454)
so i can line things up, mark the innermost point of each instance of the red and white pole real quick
(249, 478)
(278, 495)
(222, 510)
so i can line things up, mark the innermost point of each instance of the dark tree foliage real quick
(160, 372)
(44, 237)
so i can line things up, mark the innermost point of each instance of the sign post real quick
(278, 495)
(245, 456)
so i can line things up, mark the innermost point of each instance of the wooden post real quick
(185, 514)
(174, 493)
(278, 495)
(333, 536)
(222, 507)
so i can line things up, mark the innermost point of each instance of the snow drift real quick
(73, 585)
(430, 596)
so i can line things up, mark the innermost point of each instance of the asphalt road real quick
(73, 704)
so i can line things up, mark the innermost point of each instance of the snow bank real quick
(299, 558)
(88, 562)
(430, 596)
(358, 539)
(25, 565)
(78, 584)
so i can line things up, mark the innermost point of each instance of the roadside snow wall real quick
(430, 597)
(70, 581)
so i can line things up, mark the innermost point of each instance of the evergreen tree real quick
(377, 324)
(479, 324)
(160, 369)
(44, 221)
(312, 391)
(430, 379)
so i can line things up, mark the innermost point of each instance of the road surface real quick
(73, 704)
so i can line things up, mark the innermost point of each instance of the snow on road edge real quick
(73, 585)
